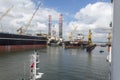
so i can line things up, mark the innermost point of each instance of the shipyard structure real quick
(71, 43)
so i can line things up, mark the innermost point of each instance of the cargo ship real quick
(16, 42)
(21, 41)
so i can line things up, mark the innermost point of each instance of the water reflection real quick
(57, 64)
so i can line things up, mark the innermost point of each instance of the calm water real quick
(57, 64)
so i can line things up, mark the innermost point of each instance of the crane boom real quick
(75, 28)
(6, 12)
(71, 34)
(32, 17)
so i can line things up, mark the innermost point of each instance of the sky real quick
(85, 14)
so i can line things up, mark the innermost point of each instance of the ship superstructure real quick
(34, 68)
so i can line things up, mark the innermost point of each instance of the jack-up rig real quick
(53, 40)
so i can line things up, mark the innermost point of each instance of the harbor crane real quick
(90, 37)
(22, 30)
(6, 12)
(71, 34)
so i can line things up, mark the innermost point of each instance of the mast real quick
(35, 74)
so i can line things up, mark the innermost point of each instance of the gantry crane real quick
(23, 30)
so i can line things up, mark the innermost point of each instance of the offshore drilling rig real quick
(52, 39)
(49, 26)
(60, 26)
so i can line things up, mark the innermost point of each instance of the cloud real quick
(96, 17)
(99, 13)
(21, 13)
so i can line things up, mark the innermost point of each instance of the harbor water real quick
(57, 63)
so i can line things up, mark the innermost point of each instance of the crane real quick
(6, 12)
(21, 30)
(71, 34)
(90, 37)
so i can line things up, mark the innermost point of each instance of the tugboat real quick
(35, 74)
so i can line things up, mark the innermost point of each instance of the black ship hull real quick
(15, 42)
